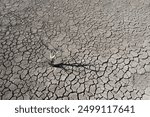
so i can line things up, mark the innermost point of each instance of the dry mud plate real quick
(75, 49)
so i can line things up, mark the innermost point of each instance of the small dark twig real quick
(60, 65)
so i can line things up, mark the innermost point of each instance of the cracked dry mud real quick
(75, 49)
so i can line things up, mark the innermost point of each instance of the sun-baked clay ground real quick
(75, 49)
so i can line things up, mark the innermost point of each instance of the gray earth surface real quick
(75, 49)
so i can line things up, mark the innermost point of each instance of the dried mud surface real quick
(75, 49)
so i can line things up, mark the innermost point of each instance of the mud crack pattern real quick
(75, 49)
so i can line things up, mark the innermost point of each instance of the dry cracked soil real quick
(75, 49)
